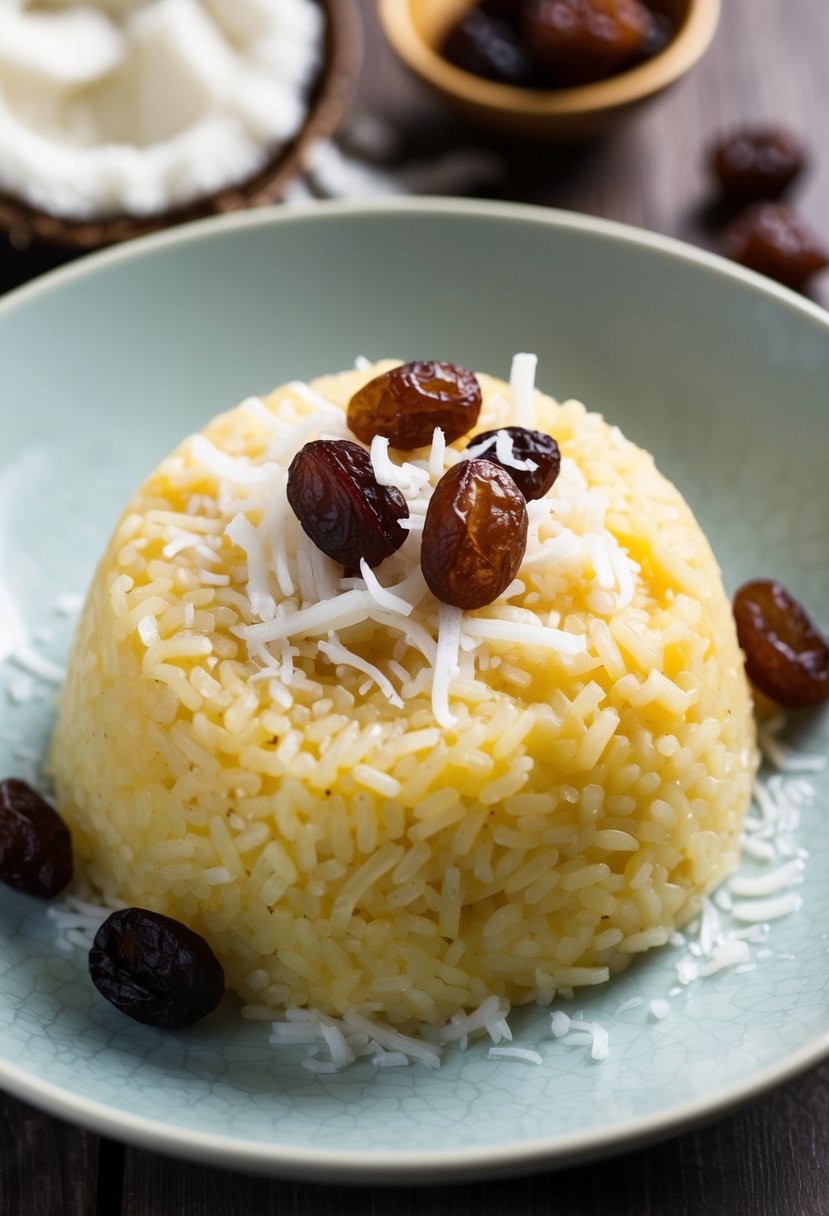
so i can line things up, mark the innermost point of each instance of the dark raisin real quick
(474, 534)
(787, 657)
(757, 163)
(659, 33)
(772, 240)
(526, 447)
(405, 404)
(341, 505)
(578, 41)
(35, 845)
(155, 969)
(486, 45)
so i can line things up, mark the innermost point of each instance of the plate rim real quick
(416, 1166)
(318, 210)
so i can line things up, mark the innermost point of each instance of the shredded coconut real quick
(755, 911)
(382, 595)
(236, 471)
(632, 1002)
(437, 454)
(200, 97)
(446, 662)
(559, 1023)
(601, 1042)
(498, 630)
(768, 883)
(338, 653)
(242, 532)
(516, 1053)
(522, 385)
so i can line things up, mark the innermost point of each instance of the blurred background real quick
(374, 126)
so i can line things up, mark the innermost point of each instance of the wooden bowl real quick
(416, 29)
(328, 101)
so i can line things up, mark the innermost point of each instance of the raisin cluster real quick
(754, 168)
(475, 531)
(554, 43)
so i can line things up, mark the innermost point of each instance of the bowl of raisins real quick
(549, 69)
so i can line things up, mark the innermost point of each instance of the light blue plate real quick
(105, 366)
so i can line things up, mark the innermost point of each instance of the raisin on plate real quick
(155, 970)
(787, 657)
(35, 845)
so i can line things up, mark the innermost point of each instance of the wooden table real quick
(769, 62)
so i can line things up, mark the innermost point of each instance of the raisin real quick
(474, 534)
(659, 33)
(787, 657)
(772, 240)
(486, 45)
(155, 969)
(525, 447)
(35, 845)
(578, 41)
(341, 505)
(406, 404)
(758, 163)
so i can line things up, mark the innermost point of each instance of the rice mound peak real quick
(356, 824)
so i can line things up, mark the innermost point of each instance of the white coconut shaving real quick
(525, 1054)
(522, 384)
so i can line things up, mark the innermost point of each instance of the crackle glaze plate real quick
(106, 365)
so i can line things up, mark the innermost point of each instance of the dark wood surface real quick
(771, 1158)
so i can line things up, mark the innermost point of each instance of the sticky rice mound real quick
(368, 802)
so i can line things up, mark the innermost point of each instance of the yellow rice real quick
(342, 853)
